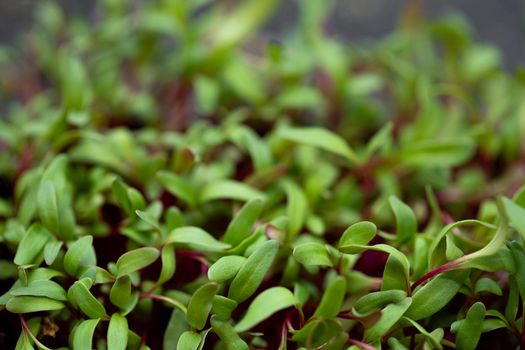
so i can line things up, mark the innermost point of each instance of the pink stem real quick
(361, 344)
(443, 268)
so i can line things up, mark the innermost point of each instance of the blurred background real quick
(501, 22)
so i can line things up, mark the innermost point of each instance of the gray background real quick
(501, 22)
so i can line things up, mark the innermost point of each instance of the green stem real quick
(166, 300)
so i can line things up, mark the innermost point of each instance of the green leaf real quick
(31, 245)
(519, 197)
(120, 191)
(24, 342)
(117, 332)
(223, 307)
(134, 341)
(377, 300)
(469, 332)
(488, 285)
(452, 251)
(135, 260)
(44, 273)
(189, 341)
(136, 199)
(48, 207)
(492, 324)
(132, 303)
(83, 337)
(177, 325)
(79, 295)
(178, 187)
(302, 292)
(103, 276)
(437, 293)
(107, 151)
(167, 257)
(240, 22)
(364, 84)
(264, 305)
(402, 259)
(380, 139)
(73, 79)
(332, 300)
(42, 288)
(296, 208)
(229, 189)
(511, 308)
(433, 250)
(197, 239)
(389, 317)
(242, 225)
(225, 331)
(433, 338)
(479, 60)
(518, 255)
(395, 344)
(25, 304)
(200, 305)
(516, 214)
(253, 271)
(406, 224)
(438, 153)
(26, 339)
(207, 93)
(248, 242)
(148, 218)
(478, 258)
(317, 332)
(321, 138)
(300, 97)
(174, 218)
(247, 139)
(203, 335)
(51, 250)
(120, 292)
(76, 253)
(394, 275)
(225, 268)
(312, 254)
(359, 233)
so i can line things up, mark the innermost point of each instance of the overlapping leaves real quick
(163, 184)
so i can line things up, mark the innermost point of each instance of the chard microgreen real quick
(264, 305)
(253, 271)
(117, 332)
(83, 334)
(170, 178)
(135, 260)
(200, 305)
(26, 304)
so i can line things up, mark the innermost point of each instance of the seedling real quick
(171, 179)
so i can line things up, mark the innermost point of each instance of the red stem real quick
(23, 323)
(361, 344)
(443, 268)
(347, 315)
